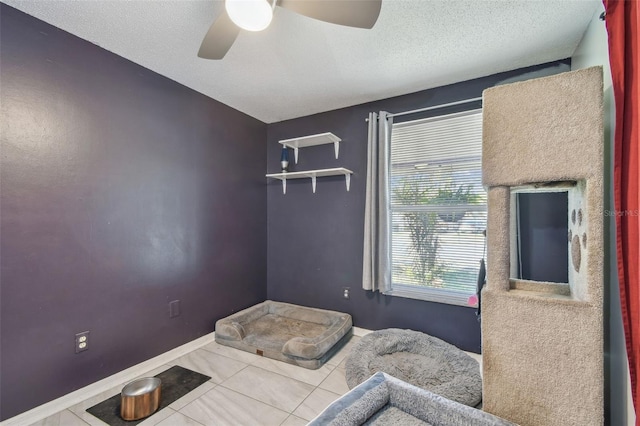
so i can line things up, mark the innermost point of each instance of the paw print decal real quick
(577, 238)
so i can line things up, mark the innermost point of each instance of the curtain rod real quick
(415, 111)
(397, 114)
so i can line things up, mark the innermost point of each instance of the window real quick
(437, 207)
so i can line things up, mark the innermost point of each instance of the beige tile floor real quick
(244, 389)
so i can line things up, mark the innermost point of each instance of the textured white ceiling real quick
(299, 66)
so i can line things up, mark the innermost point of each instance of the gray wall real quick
(315, 240)
(121, 190)
(593, 51)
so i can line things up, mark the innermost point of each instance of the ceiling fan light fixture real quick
(250, 15)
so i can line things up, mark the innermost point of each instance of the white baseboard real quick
(76, 397)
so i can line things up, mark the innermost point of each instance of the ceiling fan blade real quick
(352, 13)
(219, 38)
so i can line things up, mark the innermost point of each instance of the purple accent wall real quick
(121, 191)
(315, 240)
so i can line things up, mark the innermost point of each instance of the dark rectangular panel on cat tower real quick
(542, 342)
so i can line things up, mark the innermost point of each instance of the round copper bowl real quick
(140, 398)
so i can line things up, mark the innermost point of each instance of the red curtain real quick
(623, 20)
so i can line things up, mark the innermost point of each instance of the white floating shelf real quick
(319, 139)
(313, 174)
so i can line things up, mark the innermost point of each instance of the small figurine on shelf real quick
(284, 159)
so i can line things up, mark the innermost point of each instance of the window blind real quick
(437, 204)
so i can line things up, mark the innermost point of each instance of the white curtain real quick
(376, 268)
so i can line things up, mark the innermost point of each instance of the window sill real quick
(431, 295)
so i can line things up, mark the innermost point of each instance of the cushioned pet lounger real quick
(295, 334)
(419, 359)
(384, 400)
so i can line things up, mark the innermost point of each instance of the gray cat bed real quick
(295, 334)
(417, 358)
(385, 400)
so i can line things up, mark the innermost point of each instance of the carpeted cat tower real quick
(542, 343)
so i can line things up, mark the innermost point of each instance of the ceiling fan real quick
(255, 15)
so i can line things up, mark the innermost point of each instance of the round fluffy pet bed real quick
(419, 359)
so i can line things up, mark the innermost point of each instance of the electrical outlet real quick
(174, 308)
(82, 341)
(345, 292)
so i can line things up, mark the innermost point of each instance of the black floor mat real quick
(176, 382)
